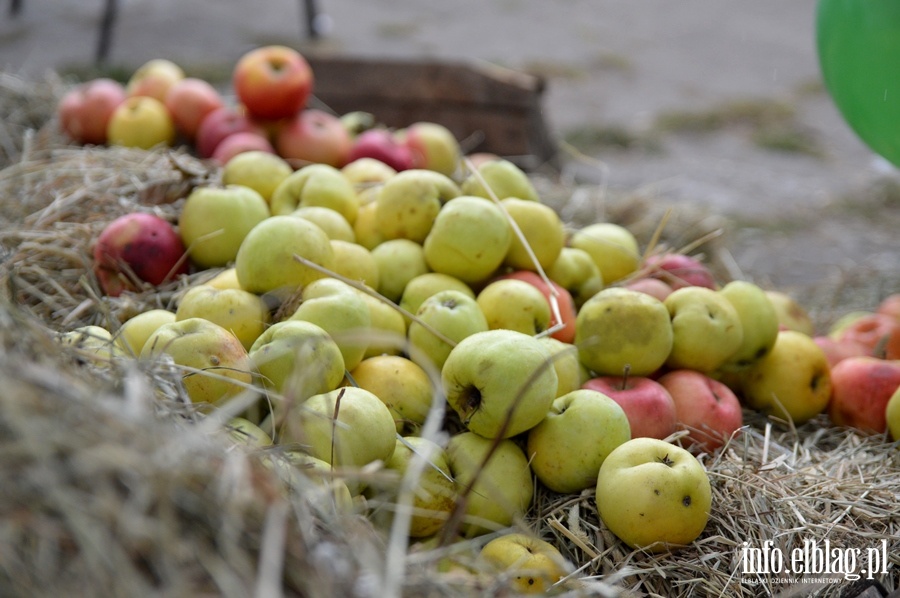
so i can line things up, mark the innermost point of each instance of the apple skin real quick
(532, 564)
(401, 384)
(154, 79)
(85, 110)
(862, 387)
(647, 404)
(238, 143)
(272, 82)
(319, 185)
(877, 333)
(504, 179)
(543, 230)
(138, 245)
(706, 329)
(570, 372)
(707, 408)
(892, 415)
(612, 247)
(759, 322)
(135, 331)
(796, 371)
(679, 270)
(243, 314)
(653, 495)
(420, 288)
(399, 261)
(454, 314)
(314, 136)
(836, 350)
(514, 305)
(791, 315)
(409, 202)
(141, 122)
(567, 448)
(381, 144)
(564, 300)
(575, 271)
(189, 101)
(262, 171)
(433, 147)
(654, 287)
(335, 226)
(219, 124)
(500, 382)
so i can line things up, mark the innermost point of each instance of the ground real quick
(697, 103)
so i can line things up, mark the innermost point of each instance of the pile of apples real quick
(365, 300)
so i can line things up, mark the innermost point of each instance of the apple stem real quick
(627, 370)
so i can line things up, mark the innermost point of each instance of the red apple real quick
(314, 136)
(704, 406)
(84, 111)
(564, 300)
(879, 333)
(890, 306)
(189, 101)
(654, 287)
(837, 351)
(273, 82)
(219, 124)
(135, 248)
(237, 143)
(382, 145)
(861, 389)
(647, 404)
(680, 270)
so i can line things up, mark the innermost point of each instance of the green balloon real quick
(858, 44)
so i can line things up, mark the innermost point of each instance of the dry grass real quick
(115, 485)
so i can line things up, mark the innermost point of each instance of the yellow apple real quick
(791, 315)
(409, 202)
(542, 229)
(141, 122)
(401, 384)
(241, 312)
(653, 495)
(314, 481)
(575, 271)
(365, 229)
(454, 315)
(533, 565)
(316, 185)
(399, 261)
(355, 262)
(892, 415)
(504, 178)
(759, 322)
(225, 279)
(706, 329)
(245, 432)
(258, 170)
(513, 304)
(366, 172)
(612, 247)
(92, 343)
(387, 328)
(330, 221)
(134, 332)
(433, 147)
(570, 372)
(423, 286)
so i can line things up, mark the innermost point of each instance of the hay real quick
(116, 486)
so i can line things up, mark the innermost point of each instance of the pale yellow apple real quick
(214, 221)
(92, 343)
(142, 122)
(401, 384)
(387, 328)
(355, 262)
(514, 305)
(241, 312)
(612, 247)
(653, 495)
(570, 372)
(791, 315)
(265, 261)
(245, 432)
(409, 202)
(454, 315)
(316, 185)
(759, 322)
(504, 179)
(365, 229)
(706, 329)
(792, 381)
(259, 170)
(314, 482)
(420, 288)
(575, 271)
(365, 172)
(330, 221)
(433, 490)
(399, 261)
(892, 415)
(134, 332)
(531, 564)
(542, 229)
(225, 279)
(433, 146)
(216, 364)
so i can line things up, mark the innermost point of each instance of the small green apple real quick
(387, 329)
(452, 313)
(241, 312)
(570, 372)
(568, 447)
(316, 185)
(504, 179)
(423, 286)
(513, 304)
(134, 332)
(575, 271)
(314, 482)
(433, 147)
(500, 382)
(619, 329)
(355, 262)
(759, 322)
(653, 495)
(366, 172)
(434, 491)
(892, 415)
(612, 247)
(409, 202)
(245, 432)
(330, 221)
(94, 344)
(365, 229)
(469, 239)
(259, 170)
(706, 329)
(532, 564)
(399, 261)
(542, 229)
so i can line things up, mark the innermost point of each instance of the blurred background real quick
(702, 103)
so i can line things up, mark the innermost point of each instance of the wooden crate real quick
(488, 108)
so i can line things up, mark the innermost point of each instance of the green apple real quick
(612, 247)
(570, 372)
(217, 364)
(619, 329)
(241, 312)
(387, 328)
(532, 565)
(500, 382)
(365, 229)
(706, 329)
(366, 172)
(469, 239)
(759, 322)
(94, 344)
(338, 309)
(399, 261)
(355, 262)
(297, 360)
(134, 332)
(433, 147)
(513, 304)
(568, 447)
(265, 261)
(314, 482)
(792, 381)
(245, 432)
(504, 179)
(542, 229)
(409, 202)
(791, 315)
(892, 415)
(575, 271)
(259, 170)
(401, 384)
(214, 221)
(653, 495)
(330, 221)
(433, 490)
(454, 315)
(226, 278)
(423, 286)
(316, 185)
(347, 427)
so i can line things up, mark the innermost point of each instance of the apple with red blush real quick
(654, 287)
(84, 111)
(381, 144)
(315, 137)
(272, 82)
(878, 333)
(189, 101)
(219, 124)
(838, 350)
(137, 248)
(647, 404)
(238, 143)
(861, 389)
(680, 270)
(707, 408)
(564, 300)
(890, 306)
